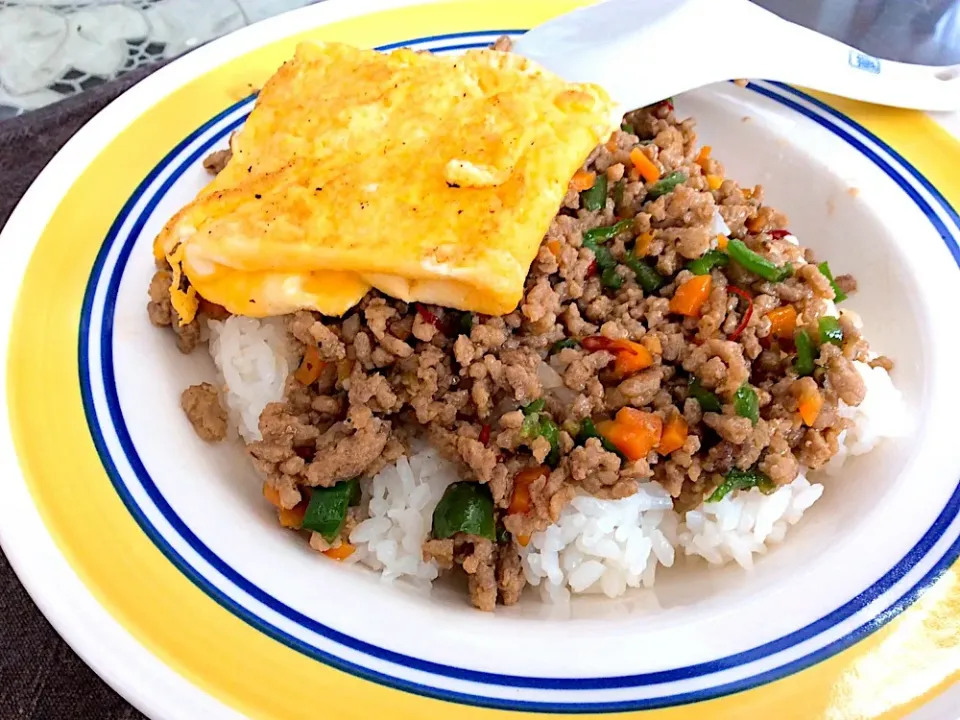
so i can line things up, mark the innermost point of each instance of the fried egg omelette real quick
(430, 178)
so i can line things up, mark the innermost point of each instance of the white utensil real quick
(643, 51)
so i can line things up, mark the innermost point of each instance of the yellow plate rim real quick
(33, 212)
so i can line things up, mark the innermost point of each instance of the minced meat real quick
(466, 382)
(201, 403)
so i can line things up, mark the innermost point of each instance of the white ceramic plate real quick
(156, 557)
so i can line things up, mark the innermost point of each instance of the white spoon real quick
(643, 51)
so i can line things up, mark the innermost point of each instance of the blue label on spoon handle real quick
(862, 61)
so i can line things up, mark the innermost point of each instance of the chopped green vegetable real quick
(531, 426)
(805, 355)
(610, 278)
(536, 423)
(563, 345)
(708, 401)
(666, 184)
(830, 330)
(618, 193)
(838, 294)
(327, 509)
(596, 197)
(746, 403)
(531, 418)
(466, 323)
(757, 264)
(589, 430)
(601, 254)
(647, 277)
(602, 234)
(627, 128)
(707, 262)
(550, 431)
(742, 480)
(536, 406)
(503, 535)
(465, 507)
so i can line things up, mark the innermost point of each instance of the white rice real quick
(402, 498)
(743, 523)
(880, 415)
(603, 546)
(597, 546)
(252, 359)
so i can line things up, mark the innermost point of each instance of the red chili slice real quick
(778, 234)
(747, 315)
(595, 343)
(484, 434)
(427, 316)
(592, 268)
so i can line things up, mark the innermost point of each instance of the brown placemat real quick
(41, 678)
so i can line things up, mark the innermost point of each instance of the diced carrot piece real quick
(583, 180)
(293, 517)
(783, 321)
(553, 245)
(520, 498)
(809, 406)
(341, 551)
(523, 540)
(755, 224)
(310, 367)
(714, 181)
(634, 432)
(271, 494)
(644, 165)
(604, 427)
(722, 241)
(631, 357)
(703, 155)
(690, 297)
(642, 244)
(674, 435)
(612, 144)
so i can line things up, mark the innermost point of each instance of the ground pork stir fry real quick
(671, 330)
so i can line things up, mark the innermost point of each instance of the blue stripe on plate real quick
(452, 36)
(821, 625)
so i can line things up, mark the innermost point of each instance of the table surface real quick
(46, 55)
(50, 49)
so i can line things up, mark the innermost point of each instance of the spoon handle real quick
(642, 51)
(794, 54)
